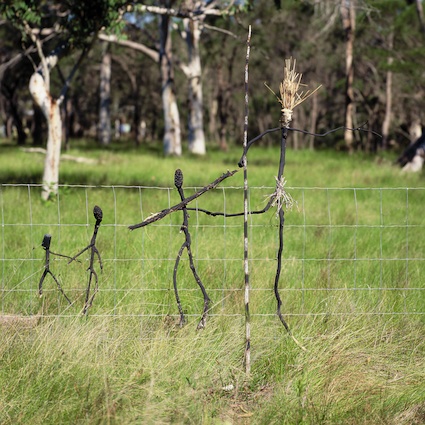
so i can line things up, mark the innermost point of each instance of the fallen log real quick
(65, 157)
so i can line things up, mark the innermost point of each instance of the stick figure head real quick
(46, 241)
(98, 214)
(178, 178)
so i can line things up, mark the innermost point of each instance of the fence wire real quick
(348, 251)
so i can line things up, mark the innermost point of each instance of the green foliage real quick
(307, 30)
(88, 18)
(21, 11)
(77, 20)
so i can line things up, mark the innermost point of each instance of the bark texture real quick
(193, 71)
(51, 110)
(172, 129)
(349, 24)
(388, 99)
(105, 99)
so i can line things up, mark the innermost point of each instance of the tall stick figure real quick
(290, 97)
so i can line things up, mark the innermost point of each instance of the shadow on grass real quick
(119, 146)
(26, 177)
(70, 179)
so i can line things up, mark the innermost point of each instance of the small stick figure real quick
(98, 215)
(46, 245)
(178, 182)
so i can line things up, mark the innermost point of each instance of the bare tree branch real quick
(420, 12)
(43, 62)
(182, 13)
(73, 71)
(151, 53)
(222, 30)
(272, 130)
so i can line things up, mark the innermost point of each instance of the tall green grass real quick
(351, 285)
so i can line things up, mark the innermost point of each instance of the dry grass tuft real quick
(16, 322)
(281, 197)
(415, 415)
(290, 94)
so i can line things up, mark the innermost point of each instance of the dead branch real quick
(66, 157)
(160, 215)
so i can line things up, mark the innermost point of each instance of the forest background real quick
(368, 56)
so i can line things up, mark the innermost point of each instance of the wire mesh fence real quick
(348, 251)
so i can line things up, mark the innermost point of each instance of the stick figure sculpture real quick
(290, 97)
(46, 245)
(98, 215)
(178, 182)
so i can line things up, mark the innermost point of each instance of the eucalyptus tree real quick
(15, 71)
(334, 14)
(188, 17)
(172, 127)
(390, 69)
(191, 33)
(73, 26)
(193, 25)
(195, 15)
(162, 54)
(104, 127)
(348, 15)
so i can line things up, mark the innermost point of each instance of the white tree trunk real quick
(105, 99)
(172, 131)
(53, 151)
(51, 110)
(193, 71)
(415, 130)
(349, 22)
(420, 12)
(388, 97)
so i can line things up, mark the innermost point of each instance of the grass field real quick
(351, 285)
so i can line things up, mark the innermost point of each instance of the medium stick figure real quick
(98, 215)
(178, 182)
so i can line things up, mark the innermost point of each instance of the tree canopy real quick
(388, 47)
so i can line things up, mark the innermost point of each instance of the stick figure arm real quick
(214, 214)
(77, 255)
(249, 144)
(62, 255)
(158, 216)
